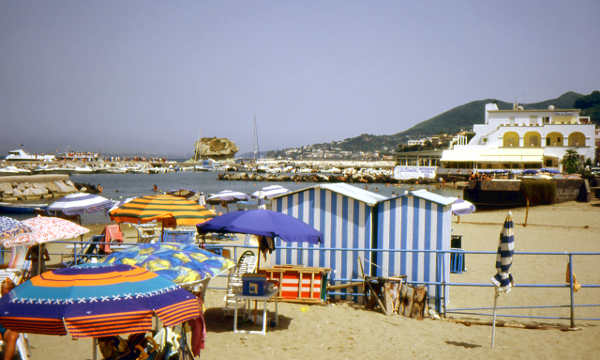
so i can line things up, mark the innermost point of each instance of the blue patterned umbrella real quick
(95, 301)
(184, 264)
(10, 227)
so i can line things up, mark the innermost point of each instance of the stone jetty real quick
(35, 187)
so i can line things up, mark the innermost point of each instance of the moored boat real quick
(23, 208)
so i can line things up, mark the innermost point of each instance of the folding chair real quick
(184, 236)
(148, 232)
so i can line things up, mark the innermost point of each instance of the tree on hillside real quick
(590, 106)
(588, 101)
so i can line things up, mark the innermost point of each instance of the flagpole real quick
(496, 294)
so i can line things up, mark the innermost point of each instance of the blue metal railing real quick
(80, 246)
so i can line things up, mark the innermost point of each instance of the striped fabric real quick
(95, 301)
(503, 279)
(79, 203)
(344, 222)
(412, 223)
(158, 207)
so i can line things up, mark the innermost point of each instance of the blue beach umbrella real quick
(263, 223)
(184, 264)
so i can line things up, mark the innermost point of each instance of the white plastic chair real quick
(246, 264)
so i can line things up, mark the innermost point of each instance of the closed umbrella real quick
(184, 264)
(95, 301)
(162, 208)
(78, 204)
(503, 280)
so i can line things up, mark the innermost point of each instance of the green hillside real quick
(462, 117)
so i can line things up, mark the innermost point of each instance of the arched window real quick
(510, 139)
(532, 139)
(554, 139)
(576, 139)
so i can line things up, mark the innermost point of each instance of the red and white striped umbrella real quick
(45, 229)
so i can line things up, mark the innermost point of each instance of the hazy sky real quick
(154, 76)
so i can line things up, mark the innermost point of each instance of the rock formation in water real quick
(214, 148)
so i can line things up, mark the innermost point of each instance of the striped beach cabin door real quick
(345, 215)
(416, 222)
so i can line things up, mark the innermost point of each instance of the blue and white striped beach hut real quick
(416, 220)
(355, 221)
(345, 214)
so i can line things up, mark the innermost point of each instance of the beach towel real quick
(111, 233)
(576, 284)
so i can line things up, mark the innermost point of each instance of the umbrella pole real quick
(496, 294)
(94, 354)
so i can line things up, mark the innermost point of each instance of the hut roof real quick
(368, 197)
(430, 196)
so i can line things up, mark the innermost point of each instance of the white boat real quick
(22, 155)
(83, 170)
(13, 170)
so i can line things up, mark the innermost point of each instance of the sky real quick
(152, 77)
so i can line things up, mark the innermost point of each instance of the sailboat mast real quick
(256, 149)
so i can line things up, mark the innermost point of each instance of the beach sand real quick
(348, 331)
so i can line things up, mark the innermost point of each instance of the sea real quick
(122, 186)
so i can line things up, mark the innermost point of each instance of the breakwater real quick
(315, 177)
(35, 187)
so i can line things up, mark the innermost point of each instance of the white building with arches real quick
(520, 139)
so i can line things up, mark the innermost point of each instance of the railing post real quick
(571, 290)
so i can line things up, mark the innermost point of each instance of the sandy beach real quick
(348, 331)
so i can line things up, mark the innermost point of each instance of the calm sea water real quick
(122, 186)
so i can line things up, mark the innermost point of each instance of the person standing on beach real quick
(33, 256)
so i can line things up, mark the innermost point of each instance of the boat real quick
(22, 155)
(15, 208)
(13, 170)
